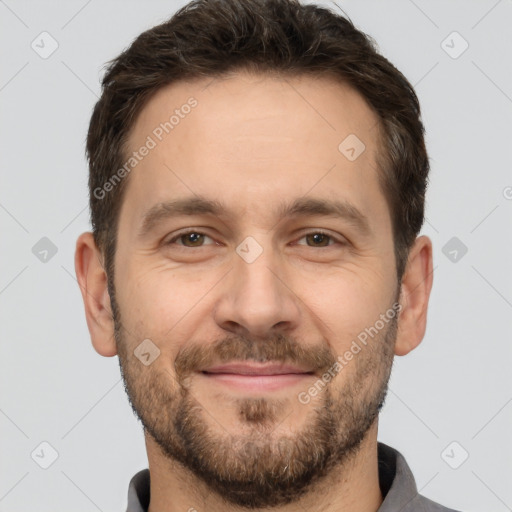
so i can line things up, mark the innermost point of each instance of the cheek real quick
(159, 303)
(345, 304)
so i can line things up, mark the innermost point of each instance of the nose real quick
(257, 298)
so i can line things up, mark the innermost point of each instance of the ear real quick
(414, 295)
(92, 280)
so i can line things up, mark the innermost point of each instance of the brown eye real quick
(318, 239)
(190, 239)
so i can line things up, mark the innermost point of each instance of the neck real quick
(353, 486)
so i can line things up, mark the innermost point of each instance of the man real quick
(257, 185)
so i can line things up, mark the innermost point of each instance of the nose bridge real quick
(257, 280)
(255, 298)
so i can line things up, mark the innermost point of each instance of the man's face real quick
(251, 309)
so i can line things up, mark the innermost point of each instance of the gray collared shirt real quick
(395, 478)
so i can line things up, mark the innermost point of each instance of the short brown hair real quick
(210, 38)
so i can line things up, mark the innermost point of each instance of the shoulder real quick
(426, 505)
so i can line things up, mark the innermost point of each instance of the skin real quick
(252, 142)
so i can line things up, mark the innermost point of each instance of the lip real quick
(254, 376)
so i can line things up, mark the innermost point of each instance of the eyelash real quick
(313, 232)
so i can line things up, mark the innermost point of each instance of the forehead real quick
(251, 139)
(304, 107)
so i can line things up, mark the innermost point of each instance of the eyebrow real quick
(301, 207)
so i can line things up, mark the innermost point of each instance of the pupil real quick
(193, 237)
(319, 239)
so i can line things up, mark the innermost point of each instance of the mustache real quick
(278, 348)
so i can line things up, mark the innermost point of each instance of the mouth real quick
(257, 377)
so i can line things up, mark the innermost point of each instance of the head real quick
(257, 184)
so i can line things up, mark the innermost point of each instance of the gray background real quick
(54, 387)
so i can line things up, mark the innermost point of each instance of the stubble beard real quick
(257, 467)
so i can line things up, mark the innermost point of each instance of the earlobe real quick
(92, 280)
(414, 296)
